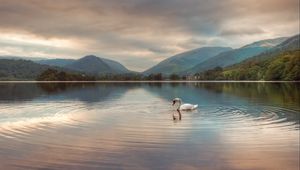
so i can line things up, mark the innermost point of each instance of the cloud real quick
(151, 28)
(241, 31)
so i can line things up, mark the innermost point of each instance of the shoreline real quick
(153, 81)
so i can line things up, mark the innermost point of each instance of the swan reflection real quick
(176, 115)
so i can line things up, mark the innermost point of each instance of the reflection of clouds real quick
(136, 131)
(86, 92)
(30, 116)
(108, 134)
(261, 143)
(143, 28)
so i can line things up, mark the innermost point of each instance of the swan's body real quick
(188, 106)
(185, 106)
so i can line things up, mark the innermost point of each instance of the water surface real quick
(133, 126)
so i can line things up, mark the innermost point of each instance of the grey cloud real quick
(241, 31)
(87, 18)
(152, 27)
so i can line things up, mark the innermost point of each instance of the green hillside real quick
(236, 55)
(186, 60)
(20, 69)
(284, 66)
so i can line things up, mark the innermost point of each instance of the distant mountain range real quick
(11, 69)
(289, 45)
(188, 63)
(97, 66)
(186, 60)
(234, 56)
(21, 58)
(16, 68)
(89, 64)
(281, 62)
(56, 62)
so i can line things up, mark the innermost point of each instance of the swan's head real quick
(176, 100)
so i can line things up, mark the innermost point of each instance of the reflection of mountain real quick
(267, 93)
(188, 92)
(19, 91)
(86, 92)
(275, 94)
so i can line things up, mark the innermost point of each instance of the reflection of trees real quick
(185, 91)
(155, 84)
(87, 92)
(282, 94)
(19, 91)
(275, 93)
(52, 88)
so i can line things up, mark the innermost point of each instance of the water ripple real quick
(97, 136)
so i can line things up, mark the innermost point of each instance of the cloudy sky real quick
(138, 33)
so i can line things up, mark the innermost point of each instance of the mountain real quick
(185, 60)
(283, 66)
(281, 62)
(12, 69)
(56, 62)
(16, 68)
(267, 43)
(20, 58)
(289, 44)
(119, 68)
(235, 56)
(97, 66)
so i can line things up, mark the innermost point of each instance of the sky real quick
(138, 33)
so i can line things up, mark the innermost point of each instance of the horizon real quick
(146, 32)
(139, 71)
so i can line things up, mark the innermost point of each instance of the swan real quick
(185, 106)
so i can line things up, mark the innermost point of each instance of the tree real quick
(55, 75)
(174, 77)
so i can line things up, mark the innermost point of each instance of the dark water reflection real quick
(134, 126)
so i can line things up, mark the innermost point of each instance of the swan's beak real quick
(173, 102)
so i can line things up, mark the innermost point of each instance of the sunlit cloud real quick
(33, 40)
(126, 30)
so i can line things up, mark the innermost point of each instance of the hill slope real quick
(279, 63)
(284, 66)
(290, 44)
(235, 56)
(56, 62)
(11, 69)
(97, 66)
(185, 60)
(282, 62)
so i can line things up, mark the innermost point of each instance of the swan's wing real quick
(188, 106)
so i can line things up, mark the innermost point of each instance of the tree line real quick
(284, 66)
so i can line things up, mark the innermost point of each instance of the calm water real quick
(133, 126)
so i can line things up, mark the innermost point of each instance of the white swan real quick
(185, 106)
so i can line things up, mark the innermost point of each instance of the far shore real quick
(154, 81)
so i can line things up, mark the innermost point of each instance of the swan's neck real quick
(179, 104)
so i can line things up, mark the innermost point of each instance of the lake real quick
(134, 126)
